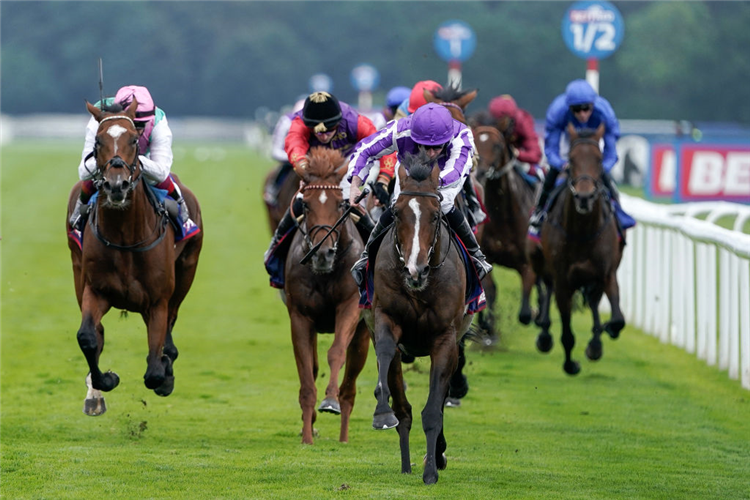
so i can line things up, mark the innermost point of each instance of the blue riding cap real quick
(579, 92)
(396, 96)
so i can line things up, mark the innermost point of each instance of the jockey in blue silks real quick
(581, 106)
(450, 146)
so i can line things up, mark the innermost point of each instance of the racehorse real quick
(580, 249)
(508, 201)
(128, 258)
(322, 297)
(417, 309)
(284, 194)
(454, 99)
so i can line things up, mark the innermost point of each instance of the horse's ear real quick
(95, 112)
(467, 98)
(572, 134)
(600, 131)
(131, 109)
(401, 174)
(341, 171)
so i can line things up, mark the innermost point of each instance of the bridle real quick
(312, 231)
(436, 233)
(492, 172)
(572, 181)
(117, 161)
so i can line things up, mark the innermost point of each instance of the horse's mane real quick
(324, 161)
(450, 93)
(418, 166)
(585, 133)
(113, 108)
(482, 118)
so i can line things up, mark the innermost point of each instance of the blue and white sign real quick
(320, 82)
(365, 78)
(455, 41)
(593, 30)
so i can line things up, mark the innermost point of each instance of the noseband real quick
(312, 231)
(431, 251)
(572, 181)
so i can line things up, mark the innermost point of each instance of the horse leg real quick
(544, 340)
(617, 321)
(91, 341)
(159, 364)
(564, 300)
(347, 317)
(385, 352)
(402, 410)
(304, 342)
(541, 294)
(444, 359)
(594, 347)
(356, 356)
(458, 386)
(527, 281)
(487, 320)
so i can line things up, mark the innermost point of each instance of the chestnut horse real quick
(418, 310)
(129, 259)
(321, 296)
(580, 249)
(508, 199)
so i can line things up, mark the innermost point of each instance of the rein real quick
(320, 227)
(456, 106)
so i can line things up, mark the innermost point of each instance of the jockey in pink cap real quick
(154, 144)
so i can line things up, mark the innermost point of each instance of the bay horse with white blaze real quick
(417, 309)
(321, 296)
(580, 249)
(128, 258)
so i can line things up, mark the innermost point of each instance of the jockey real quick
(279, 154)
(393, 100)
(451, 146)
(323, 121)
(517, 125)
(154, 145)
(583, 108)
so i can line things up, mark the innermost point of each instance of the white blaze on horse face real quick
(411, 264)
(484, 137)
(115, 131)
(323, 198)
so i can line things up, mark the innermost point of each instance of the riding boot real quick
(609, 183)
(271, 193)
(189, 228)
(287, 222)
(79, 215)
(358, 269)
(472, 202)
(459, 224)
(537, 216)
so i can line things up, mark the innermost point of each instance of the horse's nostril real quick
(125, 185)
(107, 185)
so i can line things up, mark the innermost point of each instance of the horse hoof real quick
(613, 327)
(441, 462)
(524, 317)
(94, 407)
(489, 340)
(330, 405)
(384, 421)
(572, 367)
(452, 402)
(166, 388)
(594, 353)
(430, 478)
(544, 342)
(109, 381)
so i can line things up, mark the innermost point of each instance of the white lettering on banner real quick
(706, 173)
(738, 174)
(667, 172)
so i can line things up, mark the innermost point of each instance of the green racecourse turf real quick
(646, 421)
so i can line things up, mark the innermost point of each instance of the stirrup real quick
(358, 270)
(482, 266)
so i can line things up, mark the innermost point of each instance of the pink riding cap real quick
(146, 109)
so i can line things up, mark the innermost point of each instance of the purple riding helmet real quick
(431, 125)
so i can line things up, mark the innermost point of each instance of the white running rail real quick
(687, 281)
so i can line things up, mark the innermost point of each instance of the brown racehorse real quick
(286, 192)
(129, 259)
(321, 296)
(418, 310)
(580, 249)
(508, 199)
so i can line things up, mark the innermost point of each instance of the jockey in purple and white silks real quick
(582, 107)
(448, 142)
(155, 154)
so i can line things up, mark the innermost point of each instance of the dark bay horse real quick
(508, 199)
(321, 296)
(418, 310)
(580, 249)
(129, 259)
